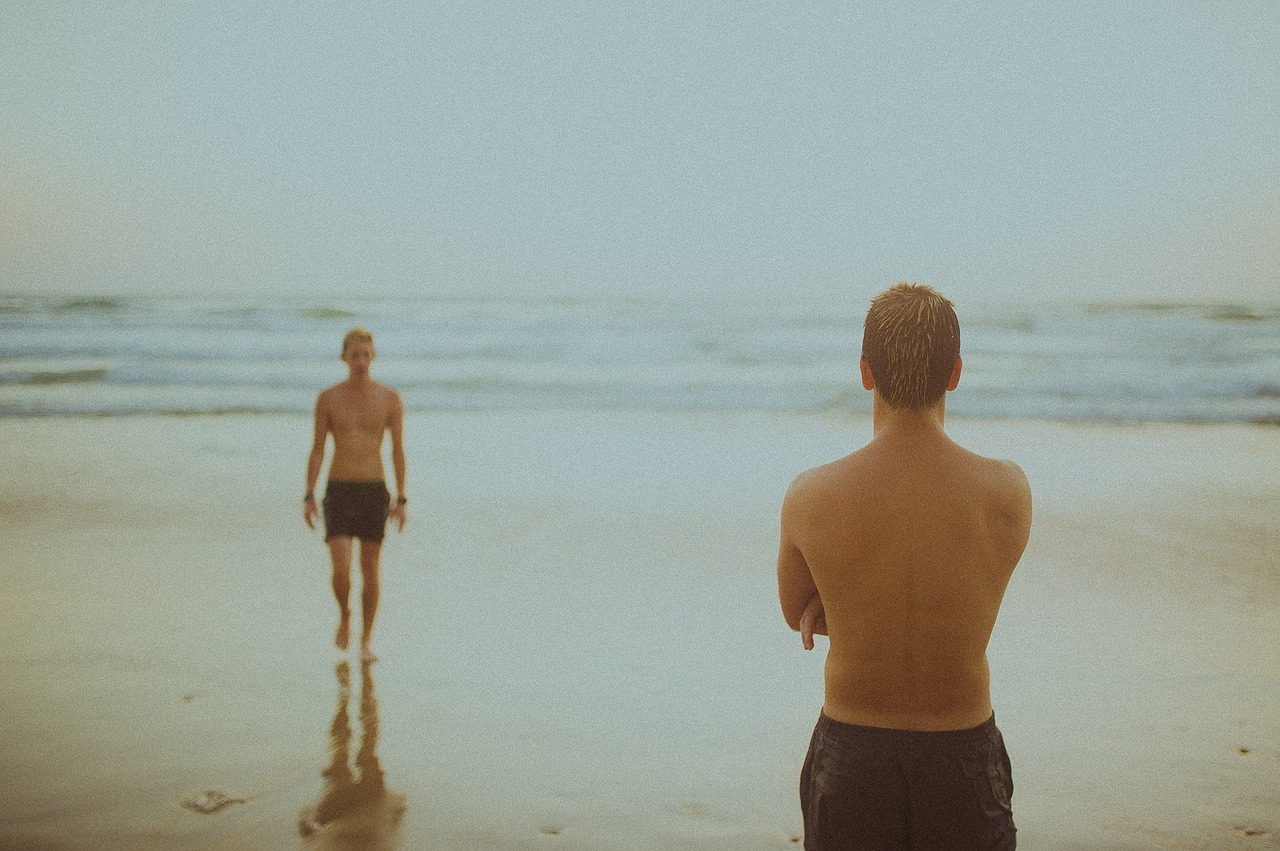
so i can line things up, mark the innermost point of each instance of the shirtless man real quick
(900, 553)
(357, 412)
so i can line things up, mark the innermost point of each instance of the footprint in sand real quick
(211, 801)
(693, 810)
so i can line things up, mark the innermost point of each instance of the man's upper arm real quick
(395, 422)
(322, 427)
(795, 581)
(1018, 500)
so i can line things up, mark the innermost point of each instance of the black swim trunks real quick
(356, 510)
(875, 788)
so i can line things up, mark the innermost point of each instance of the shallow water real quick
(1066, 362)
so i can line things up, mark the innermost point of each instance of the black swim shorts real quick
(875, 788)
(356, 510)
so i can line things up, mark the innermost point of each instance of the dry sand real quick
(581, 643)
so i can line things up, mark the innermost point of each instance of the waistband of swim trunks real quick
(379, 484)
(894, 735)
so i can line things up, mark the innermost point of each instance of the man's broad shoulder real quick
(816, 481)
(389, 402)
(1001, 471)
(329, 398)
(1009, 488)
(1007, 474)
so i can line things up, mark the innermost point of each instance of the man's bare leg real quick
(370, 553)
(340, 555)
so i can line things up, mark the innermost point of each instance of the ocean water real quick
(1215, 363)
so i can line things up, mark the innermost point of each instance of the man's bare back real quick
(909, 543)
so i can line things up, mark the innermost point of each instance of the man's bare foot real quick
(343, 636)
(367, 656)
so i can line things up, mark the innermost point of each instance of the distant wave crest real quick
(70, 376)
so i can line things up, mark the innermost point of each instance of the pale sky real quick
(1096, 148)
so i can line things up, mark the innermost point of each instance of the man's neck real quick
(886, 419)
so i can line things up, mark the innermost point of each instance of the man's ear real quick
(955, 374)
(868, 380)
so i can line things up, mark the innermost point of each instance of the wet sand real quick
(580, 640)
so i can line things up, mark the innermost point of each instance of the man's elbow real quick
(791, 615)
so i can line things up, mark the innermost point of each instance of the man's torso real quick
(911, 548)
(357, 418)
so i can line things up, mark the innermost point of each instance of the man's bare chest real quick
(350, 416)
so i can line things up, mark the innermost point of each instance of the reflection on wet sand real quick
(356, 809)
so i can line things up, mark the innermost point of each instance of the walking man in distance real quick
(358, 413)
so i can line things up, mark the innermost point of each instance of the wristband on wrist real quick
(309, 498)
(404, 500)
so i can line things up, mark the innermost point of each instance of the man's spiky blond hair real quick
(911, 340)
(356, 335)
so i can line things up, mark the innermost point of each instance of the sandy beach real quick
(580, 640)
